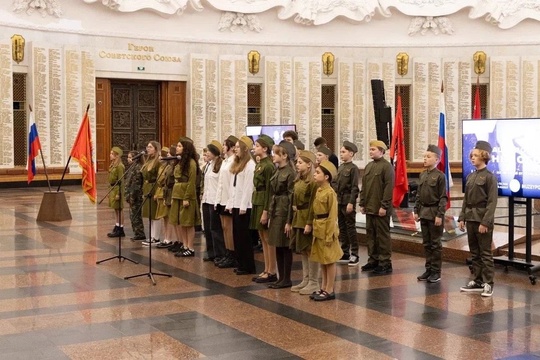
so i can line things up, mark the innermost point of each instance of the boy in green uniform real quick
(346, 186)
(429, 209)
(478, 214)
(376, 203)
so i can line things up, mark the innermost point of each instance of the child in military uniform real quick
(134, 185)
(325, 249)
(185, 211)
(323, 153)
(150, 171)
(280, 210)
(429, 209)
(305, 189)
(116, 196)
(346, 186)
(376, 203)
(162, 211)
(260, 201)
(478, 215)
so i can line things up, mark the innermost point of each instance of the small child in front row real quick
(478, 214)
(116, 195)
(429, 209)
(325, 249)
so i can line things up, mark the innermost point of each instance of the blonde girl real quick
(116, 196)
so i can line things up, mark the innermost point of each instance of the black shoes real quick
(424, 276)
(324, 296)
(280, 285)
(118, 231)
(244, 272)
(176, 247)
(369, 266)
(383, 269)
(434, 278)
(138, 237)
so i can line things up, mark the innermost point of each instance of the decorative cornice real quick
(165, 7)
(44, 7)
(234, 21)
(438, 25)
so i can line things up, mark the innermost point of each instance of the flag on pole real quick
(477, 113)
(397, 153)
(82, 151)
(444, 164)
(34, 146)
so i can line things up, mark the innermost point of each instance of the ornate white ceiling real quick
(427, 15)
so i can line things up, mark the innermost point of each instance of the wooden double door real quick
(129, 114)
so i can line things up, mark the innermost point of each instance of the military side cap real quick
(379, 144)
(328, 166)
(289, 148)
(215, 147)
(326, 151)
(307, 155)
(246, 140)
(483, 145)
(232, 139)
(299, 145)
(185, 138)
(350, 146)
(434, 149)
(118, 151)
(265, 141)
(164, 151)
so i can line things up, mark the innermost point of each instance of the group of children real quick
(297, 201)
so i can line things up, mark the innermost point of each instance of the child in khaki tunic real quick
(325, 249)
(116, 196)
(305, 189)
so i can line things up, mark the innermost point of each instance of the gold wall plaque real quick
(17, 48)
(328, 63)
(402, 62)
(479, 59)
(254, 59)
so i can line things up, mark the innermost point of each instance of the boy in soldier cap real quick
(478, 214)
(346, 186)
(376, 203)
(429, 209)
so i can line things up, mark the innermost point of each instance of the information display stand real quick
(509, 260)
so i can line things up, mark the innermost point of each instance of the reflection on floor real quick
(56, 303)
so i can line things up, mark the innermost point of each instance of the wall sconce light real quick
(402, 61)
(254, 59)
(328, 63)
(17, 48)
(479, 59)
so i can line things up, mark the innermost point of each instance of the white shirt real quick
(210, 184)
(225, 178)
(242, 190)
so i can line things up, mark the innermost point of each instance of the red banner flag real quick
(33, 147)
(397, 153)
(477, 112)
(82, 151)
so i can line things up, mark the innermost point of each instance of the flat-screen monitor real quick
(274, 131)
(515, 159)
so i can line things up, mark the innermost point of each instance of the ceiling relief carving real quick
(504, 14)
(238, 21)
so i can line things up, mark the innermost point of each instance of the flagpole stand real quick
(54, 207)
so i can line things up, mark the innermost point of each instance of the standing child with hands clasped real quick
(478, 215)
(325, 249)
(429, 209)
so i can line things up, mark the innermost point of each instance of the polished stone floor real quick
(56, 303)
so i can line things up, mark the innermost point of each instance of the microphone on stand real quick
(139, 155)
(171, 157)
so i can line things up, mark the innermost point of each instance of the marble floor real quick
(56, 303)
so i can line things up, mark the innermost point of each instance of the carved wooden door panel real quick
(135, 114)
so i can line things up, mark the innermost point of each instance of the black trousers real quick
(347, 231)
(242, 240)
(379, 243)
(215, 244)
(431, 239)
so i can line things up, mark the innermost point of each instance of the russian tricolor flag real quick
(444, 164)
(34, 146)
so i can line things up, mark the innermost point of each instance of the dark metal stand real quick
(118, 183)
(150, 274)
(509, 260)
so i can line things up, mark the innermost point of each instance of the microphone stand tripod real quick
(118, 183)
(150, 274)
